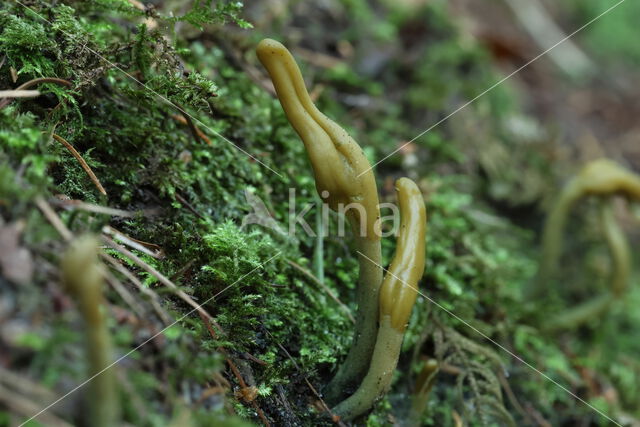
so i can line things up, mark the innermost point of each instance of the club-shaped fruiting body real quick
(341, 170)
(345, 180)
(618, 282)
(602, 178)
(83, 279)
(397, 296)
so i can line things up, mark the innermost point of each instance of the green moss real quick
(478, 261)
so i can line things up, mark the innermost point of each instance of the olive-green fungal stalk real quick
(602, 178)
(420, 396)
(618, 281)
(345, 180)
(397, 296)
(83, 278)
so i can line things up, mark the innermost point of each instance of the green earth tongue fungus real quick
(397, 297)
(345, 180)
(618, 282)
(599, 178)
(83, 279)
(603, 178)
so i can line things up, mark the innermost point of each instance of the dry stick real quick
(536, 20)
(24, 386)
(19, 93)
(124, 294)
(189, 206)
(24, 397)
(512, 396)
(163, 279)
(195, 130)
(153, 297)
(134, 243)
(66, 234)
(99, 209)
(18, 404)
(53, 218)
(84, 164)
(323, 286)
(236, 371)
(6, 101)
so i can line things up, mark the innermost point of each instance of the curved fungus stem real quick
(83, 278)
(5, 101)
(345, 180)
(397, 297)
(618, 281)
(601, 177)
(619, 250)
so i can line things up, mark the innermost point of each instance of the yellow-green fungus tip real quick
(400, 285)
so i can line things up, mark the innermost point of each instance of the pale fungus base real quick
(342, 174)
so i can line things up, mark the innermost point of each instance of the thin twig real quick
(324, 288)
(136, 244)
(153, 297)
(53, 218)
(195, 130)
(236, 371)
(19, 93)
(161, 278)
(334, 418)
(188, 205)
(21, 405)
(89, 207)
(6, 101)
(536, 20)
(512, 397)
(124, 294)
(84, 164)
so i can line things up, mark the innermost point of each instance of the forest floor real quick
(157, 132)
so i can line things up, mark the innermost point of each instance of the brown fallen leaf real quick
(16, 262)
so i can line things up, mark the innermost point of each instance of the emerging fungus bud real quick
(344, 178)
(420, 397)
(397, 297)
(83, 278)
